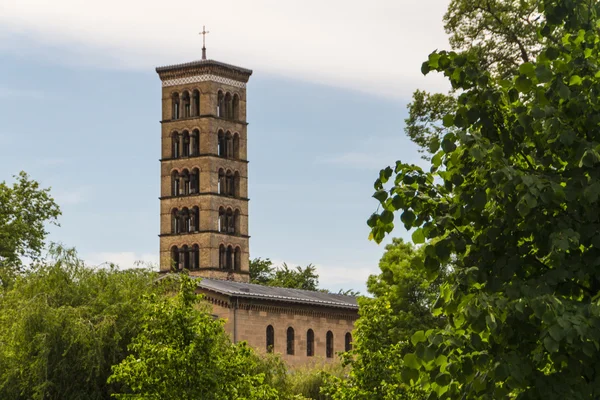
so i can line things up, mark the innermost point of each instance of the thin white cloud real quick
(124, 260)
(355, 160)
(376, 47)
(9, 93)
(71, 196)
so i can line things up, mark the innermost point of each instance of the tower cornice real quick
(203, 70)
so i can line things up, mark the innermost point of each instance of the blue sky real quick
(80, 113)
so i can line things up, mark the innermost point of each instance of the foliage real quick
(182, 352)
(501, 34)
(511, 199)
(309, 380)
(262, 272)
(24, 209)
(401, 306)
(63, 325)
(424, 124)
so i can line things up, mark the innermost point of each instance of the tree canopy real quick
(511, 201)
(500, 34)
(25, 208)
(400, 306)
(263, 272)
(182, 352)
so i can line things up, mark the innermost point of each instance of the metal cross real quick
(203, 33)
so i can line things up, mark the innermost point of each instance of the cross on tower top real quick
(203, 33)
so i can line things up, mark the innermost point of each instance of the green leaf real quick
(443, 379)
(434, 145)
(543, 73)
(563, 91)
(527, 69)
(448, 120)
(381, 195)
(387, 217)
(372, 221)
(418, 337)
(550, 344)
(592, 192)
(411, 361)
(410, 376)
(418, 236)
(523, 84)
(408, 217)
(575, 80)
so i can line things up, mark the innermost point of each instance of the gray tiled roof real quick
(199, 63)
(253, 291)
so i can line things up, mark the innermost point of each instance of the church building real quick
(204, 219)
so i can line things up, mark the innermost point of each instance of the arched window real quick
(230, 221)
(185, 147)
(185, 219)
(236, 107)
(175, 188)
(236, 146)
(175, 258)
(290, 341)
(195, 181)
(270, 338)
(348, 342)
(186, 104)
(185, 184)
(196, 103)
(310, 343)
(237, 259)
(236, 222)
(222, 257)
(175, 151)
(195, 145)
(222, 150)
(228, 145)
(220, 104)
(236, 184)
(184, 253)
(221, 183)
(228, 106)
(229, 184)
(175, 102)
(230, 258)
(175, 222)
(195, 226)
(195, 257)
(329, 345)
(222, 221)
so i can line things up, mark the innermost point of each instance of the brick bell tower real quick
(204, 170)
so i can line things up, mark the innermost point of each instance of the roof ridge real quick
(280, 287)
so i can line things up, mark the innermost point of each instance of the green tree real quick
(63, 325)
(400, 306)
(511, 200)
(25, 208)
(501, 34)
(263, 272)
(183, 353)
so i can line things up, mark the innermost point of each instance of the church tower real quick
(204, 170)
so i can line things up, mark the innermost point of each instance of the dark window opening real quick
(270, 339)
(310, 343)
(348, 342)
(329, 345)
(196, 103)
(290, 341)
